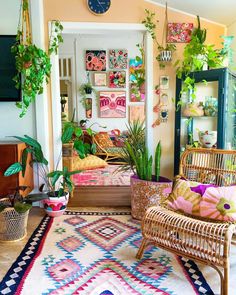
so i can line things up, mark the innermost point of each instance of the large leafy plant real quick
(196, 55)
(32, 63)
(74, 134)
(57, 182)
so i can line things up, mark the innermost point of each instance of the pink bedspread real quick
(102, 177)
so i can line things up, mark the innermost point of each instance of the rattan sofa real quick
(200, 240)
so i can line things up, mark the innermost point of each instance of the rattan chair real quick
(201, 240)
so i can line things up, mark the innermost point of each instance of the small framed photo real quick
(164, 82)
(100, 79)
(117, 79)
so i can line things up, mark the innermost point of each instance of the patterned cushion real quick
(103, 139)
(203, 200)
(90, 162)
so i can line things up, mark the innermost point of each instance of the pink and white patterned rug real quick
(93, 253)
(107, 176)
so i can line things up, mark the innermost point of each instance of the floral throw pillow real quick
(203, 200)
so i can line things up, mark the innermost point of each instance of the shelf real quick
(197, 117)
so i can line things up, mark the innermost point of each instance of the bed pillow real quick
(203, 200)
(88, 163)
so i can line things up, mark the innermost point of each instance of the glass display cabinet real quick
(209, 120)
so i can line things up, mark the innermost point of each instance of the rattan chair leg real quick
(141, 249)
(225, 288)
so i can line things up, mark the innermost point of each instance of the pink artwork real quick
(179, 32)
(117, 79)
(112, 104)
(95, 60)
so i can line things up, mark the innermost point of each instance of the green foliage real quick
(150, 24)
(157, 161)
(85, 89)
(196, 55)
(34, 149)
(33, 64)
(72, 133)
(136, 139)
(138, 73)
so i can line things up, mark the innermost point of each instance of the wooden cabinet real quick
(10, 152)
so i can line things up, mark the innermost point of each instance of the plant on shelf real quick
(197, 55)
(32, 63)
(165, 51)
(57, 184)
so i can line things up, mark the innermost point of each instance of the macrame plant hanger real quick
(24, 25)
(165, 28)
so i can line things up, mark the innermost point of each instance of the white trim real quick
(41, 102)
(101, 28)
(184, 12)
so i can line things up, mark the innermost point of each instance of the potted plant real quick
(32, 63)
(165, 51)
(14, 211)
(198, 56)
(86, 90)
(56, 185)
(146, 189)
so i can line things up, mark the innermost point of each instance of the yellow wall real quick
(132, 11)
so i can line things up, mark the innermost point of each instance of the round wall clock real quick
(99, 7)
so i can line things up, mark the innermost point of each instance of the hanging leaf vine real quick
(32, 63)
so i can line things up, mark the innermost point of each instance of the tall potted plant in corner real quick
(146, 189)
(57, 184)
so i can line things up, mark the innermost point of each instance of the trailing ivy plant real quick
(150, 24)
(32, 63)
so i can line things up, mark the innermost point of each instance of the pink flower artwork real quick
(113, 104)
(179, 32)
(95, 60)
(118, 58)
(117, 79)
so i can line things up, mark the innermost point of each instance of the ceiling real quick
(220, 11)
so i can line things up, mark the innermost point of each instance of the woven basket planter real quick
(145, 194)
(13, 225)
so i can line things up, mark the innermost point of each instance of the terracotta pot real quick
(88, 103)
(145, 194)
(55, 206)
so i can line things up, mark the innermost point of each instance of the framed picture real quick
(136, 113)
(118, 58)
(179, 32)
(117, 79)
(164, 82)
(100, 79)
(95, 60)
(112, 104)
(137, 94)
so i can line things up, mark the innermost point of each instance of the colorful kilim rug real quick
(94, 254)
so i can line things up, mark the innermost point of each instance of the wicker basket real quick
(13, 225)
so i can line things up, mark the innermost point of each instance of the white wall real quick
(103, 42)
(10, 123)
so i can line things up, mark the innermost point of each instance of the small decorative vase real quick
(193, 110)
(88, 104)
(55, 206)
(208, 138)
(166, 55)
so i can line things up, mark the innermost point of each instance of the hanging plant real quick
(165, 51)
(32, 63)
